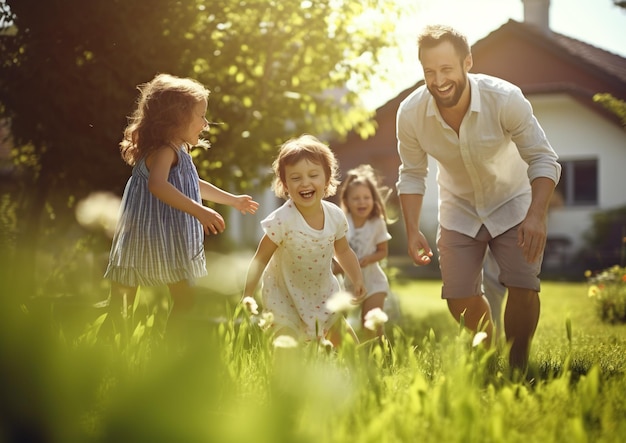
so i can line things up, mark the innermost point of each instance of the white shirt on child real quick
(298, 280)
(363, 241)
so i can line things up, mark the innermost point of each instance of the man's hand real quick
(531, 237)
(419, 250)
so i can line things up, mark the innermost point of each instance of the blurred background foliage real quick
(69, 71)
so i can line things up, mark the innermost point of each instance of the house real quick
(559, 75)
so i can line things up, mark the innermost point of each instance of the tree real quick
(276, 68)
(67, 80)
(613, 105)
(281, 69)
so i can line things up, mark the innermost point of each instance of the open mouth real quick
(307, 194)
(445, 90)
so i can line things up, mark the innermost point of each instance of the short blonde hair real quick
(305, 147)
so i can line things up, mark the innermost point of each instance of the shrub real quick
(608, 289)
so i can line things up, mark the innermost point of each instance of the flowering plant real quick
(608, 289)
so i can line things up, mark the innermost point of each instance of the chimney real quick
(537, 14)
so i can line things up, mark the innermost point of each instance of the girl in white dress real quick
(364, 204)
(301, 237)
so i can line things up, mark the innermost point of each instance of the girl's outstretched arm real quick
(258, 264)
(159, 164)
(381, 253)
(243, 203)
(350, 264)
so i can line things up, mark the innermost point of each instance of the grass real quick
(225, 382)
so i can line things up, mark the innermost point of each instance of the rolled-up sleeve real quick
(530, 139)
(414, 161)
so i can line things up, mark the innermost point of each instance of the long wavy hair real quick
(305, 147)
(367, 176)
(164, 106)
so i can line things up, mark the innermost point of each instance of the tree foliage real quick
(280, 69)
(613, 105)
(276, 68)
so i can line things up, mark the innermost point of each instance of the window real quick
(579, 182)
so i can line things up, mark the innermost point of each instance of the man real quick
(497, 173)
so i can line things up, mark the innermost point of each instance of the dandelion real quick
(266, 320)
(479, 338)
(285, 342)
(99, 211)
(593, 291)
(341, 301)
(375, 318)
(587, 273)
(251, 306)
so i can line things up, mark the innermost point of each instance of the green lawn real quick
(592, 341)
(226, 382)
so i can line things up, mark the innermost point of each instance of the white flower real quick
(326, 344)
(266, 320)
(479, 338)
(375, 318)
(340, 302)
(285, 341)
(99, 210)
(251, 306)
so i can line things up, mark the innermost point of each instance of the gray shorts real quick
(461, 262)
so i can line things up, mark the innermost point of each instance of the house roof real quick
(600, 70)
(605, 64)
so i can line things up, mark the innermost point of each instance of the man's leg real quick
(521, 317)
(461, 260)
(476, 314)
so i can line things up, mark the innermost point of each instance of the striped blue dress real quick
(155, 244)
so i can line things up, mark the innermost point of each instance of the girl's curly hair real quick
(164, 106)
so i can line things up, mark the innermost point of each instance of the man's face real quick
(445, 74)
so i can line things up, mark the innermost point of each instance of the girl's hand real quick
(212, 222)
(365, 261)
(245, 204)
(359, 292)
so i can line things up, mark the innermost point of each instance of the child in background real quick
(160, 232)
(295, 254)
(364, 204)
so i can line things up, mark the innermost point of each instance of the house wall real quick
(576, 132)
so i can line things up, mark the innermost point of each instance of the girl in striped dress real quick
(160, 232)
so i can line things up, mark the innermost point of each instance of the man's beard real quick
(452, 101)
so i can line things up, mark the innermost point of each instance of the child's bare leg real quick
(336, 333)
(183, 300)
(121, 301)
(376, 300)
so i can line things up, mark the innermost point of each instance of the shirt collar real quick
(474, 94)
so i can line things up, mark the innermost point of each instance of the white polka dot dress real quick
(298, 280)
